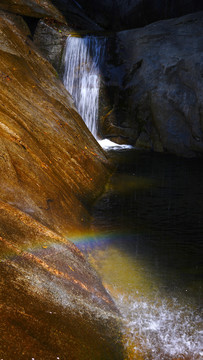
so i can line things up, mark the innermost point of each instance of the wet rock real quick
(155, 86)
(52, 302)
(51, 168)
(50, 38)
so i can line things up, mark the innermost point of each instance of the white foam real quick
(163, 329)
(108, 145)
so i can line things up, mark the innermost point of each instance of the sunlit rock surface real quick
(53, 306)
(32, 8)
(52, 303)
(152, 96)
(49, 159)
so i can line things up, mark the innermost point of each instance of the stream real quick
(145, 242)
(146, 234)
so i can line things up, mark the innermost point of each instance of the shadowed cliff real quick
(152, 96)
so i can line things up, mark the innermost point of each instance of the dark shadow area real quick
(31, 22)
(153, 208)
(75, 14)
(119, 15)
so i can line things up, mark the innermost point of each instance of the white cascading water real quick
(83, 58)
(159, 328)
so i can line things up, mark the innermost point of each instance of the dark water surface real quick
(146, 244)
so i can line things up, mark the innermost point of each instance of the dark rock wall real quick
(78, 17)
(51, 41)
(144, 12)
(107, 14)
(124, 14)
(152, 94)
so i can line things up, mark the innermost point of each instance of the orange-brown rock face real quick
(52, 304)
(49, 161)
(33, 8)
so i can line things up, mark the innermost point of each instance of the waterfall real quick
(83, 58)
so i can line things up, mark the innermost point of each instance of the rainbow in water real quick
(156, 325)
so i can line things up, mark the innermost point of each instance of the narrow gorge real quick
(101, 208)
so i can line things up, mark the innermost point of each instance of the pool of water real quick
(146, 243)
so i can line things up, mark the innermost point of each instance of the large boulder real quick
(152, 96)
(52, 303)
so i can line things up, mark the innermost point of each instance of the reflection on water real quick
(146, 244)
